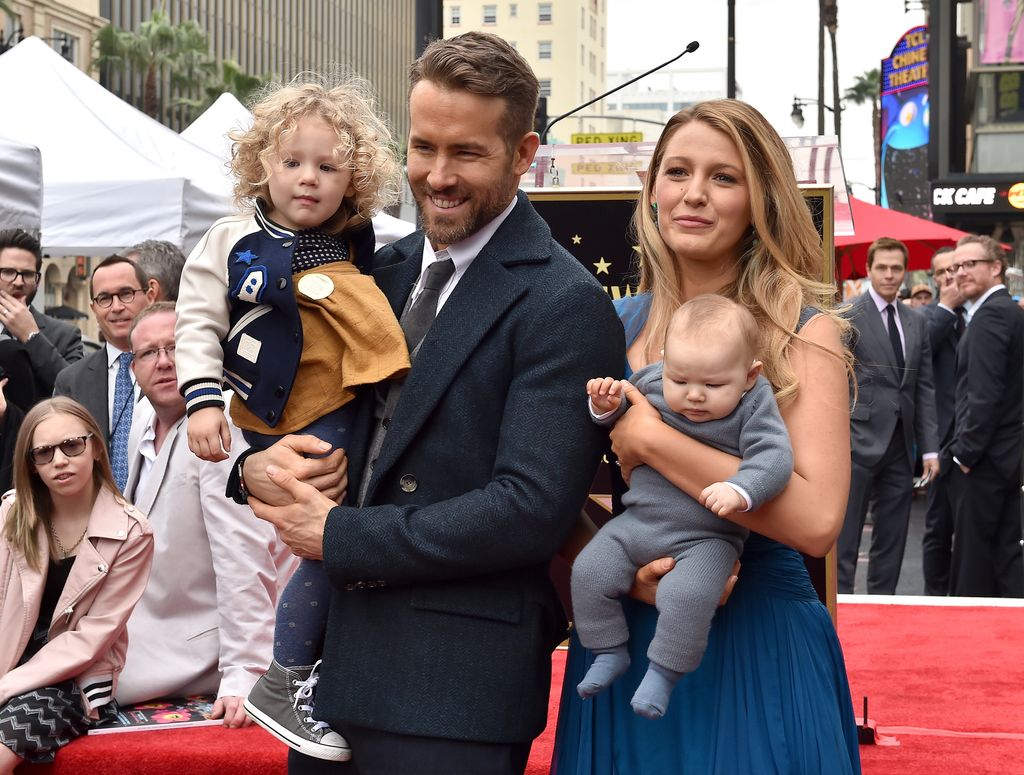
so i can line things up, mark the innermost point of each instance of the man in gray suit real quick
(51, 344)
(102, 383)
(892, 423)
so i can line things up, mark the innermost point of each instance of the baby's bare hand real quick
(721, 499)
(208, 434)
(605, 394)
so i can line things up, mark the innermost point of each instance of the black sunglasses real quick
(72, 447)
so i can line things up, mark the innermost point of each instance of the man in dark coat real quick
(443, 617)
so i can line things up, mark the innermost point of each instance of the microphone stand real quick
(693, 46)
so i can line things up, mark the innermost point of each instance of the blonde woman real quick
(721, 212)
(74, 560)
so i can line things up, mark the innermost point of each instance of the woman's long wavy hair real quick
(32, 502)
(780, 261)
(365, 145)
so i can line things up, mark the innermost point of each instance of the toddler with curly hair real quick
(273, 304)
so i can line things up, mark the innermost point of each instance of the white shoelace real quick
(305, 692)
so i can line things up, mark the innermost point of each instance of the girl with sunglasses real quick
(74, 560)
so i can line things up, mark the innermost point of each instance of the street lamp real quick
(797, 114)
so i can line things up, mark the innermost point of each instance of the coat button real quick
(295, 336)
(408, 483)
(282, 283)
(279, 391)
(386, 422)
(271, 416)
(102, 568)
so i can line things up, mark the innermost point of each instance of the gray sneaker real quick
(281, 703)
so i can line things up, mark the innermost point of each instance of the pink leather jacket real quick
(88, 639)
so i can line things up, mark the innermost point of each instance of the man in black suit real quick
(945, 325)
(986, 443)
(102, 383)
(443, 617)
(51, 344)
(892, 422)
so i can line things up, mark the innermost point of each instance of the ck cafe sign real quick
(998, 197)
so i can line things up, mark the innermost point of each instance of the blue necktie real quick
(124, 401)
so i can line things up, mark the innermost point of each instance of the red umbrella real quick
(922, 238)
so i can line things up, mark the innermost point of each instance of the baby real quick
(710, 387)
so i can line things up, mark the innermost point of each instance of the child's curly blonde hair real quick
(365, 145)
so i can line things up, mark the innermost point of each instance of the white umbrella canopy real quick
(21, 186)
(112, 176)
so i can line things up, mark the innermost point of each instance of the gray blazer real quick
(86, 382)
(886, 394)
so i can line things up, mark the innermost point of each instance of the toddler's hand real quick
(605, 394)
(208, 434)
(721, 499)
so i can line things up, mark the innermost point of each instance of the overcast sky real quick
(776, 55)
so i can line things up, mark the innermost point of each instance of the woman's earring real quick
(654, 211)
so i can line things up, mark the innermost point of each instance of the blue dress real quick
(770, 695)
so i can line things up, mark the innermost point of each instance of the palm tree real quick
(830, 19)
(231, 79)
(866, 88)
(182, 49)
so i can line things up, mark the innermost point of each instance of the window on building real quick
(583, 60)
(593, 27)
(545, 87)
(513, 10)
(544, 13)
(490, 14)
(65, 44)
(583, 18)
(544, 49)
(593, 63)
(456, 15)
(514, 45)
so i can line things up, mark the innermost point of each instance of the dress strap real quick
(633, 311)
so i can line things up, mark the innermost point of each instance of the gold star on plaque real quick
(576, 239)
(601, 267)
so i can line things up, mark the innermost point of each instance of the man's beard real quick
(482, 208)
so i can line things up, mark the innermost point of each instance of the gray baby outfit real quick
(661, 520)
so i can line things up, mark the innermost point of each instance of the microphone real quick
(690, 48)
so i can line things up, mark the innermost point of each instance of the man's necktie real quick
(960, 322)
(124, 401)
(894, 337)
(418, 318)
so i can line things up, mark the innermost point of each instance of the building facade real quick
(565, 43)
(69, 26)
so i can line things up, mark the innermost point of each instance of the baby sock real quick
(608, 665)
(652, 696)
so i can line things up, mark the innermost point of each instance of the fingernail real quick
(324, 445)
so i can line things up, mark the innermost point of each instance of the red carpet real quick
(946, 682)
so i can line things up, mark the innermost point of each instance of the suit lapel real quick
(146, 496)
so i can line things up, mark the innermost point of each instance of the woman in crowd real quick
(74, 560)
(720, 212)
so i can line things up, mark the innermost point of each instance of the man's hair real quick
(483, 64)
(991, 248)
(714, 315)
(19, 238)
(114, 260)
(887, 243)
(161, 261)
(156, 308)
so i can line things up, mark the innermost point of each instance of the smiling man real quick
(892, 421)
(102, 383)
(985, 452)
(442, 616)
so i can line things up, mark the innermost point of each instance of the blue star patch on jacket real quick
(246, 257)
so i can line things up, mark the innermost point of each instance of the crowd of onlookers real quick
(937, 407)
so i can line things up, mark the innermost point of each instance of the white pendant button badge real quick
(316, 286)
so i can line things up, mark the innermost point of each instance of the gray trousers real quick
(687, 596)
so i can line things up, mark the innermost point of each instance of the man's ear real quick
(525, 150)
(753, 373)
(152, 290)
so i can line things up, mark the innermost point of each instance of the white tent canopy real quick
(210, 132)
(21, 186)
(112, 176)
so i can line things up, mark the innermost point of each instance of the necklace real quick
(60, 545)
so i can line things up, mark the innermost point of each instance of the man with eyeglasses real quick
(51, 344)
(945, 318)
(213, 634)
(103, 382)
(892, 422)
(985, 451)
